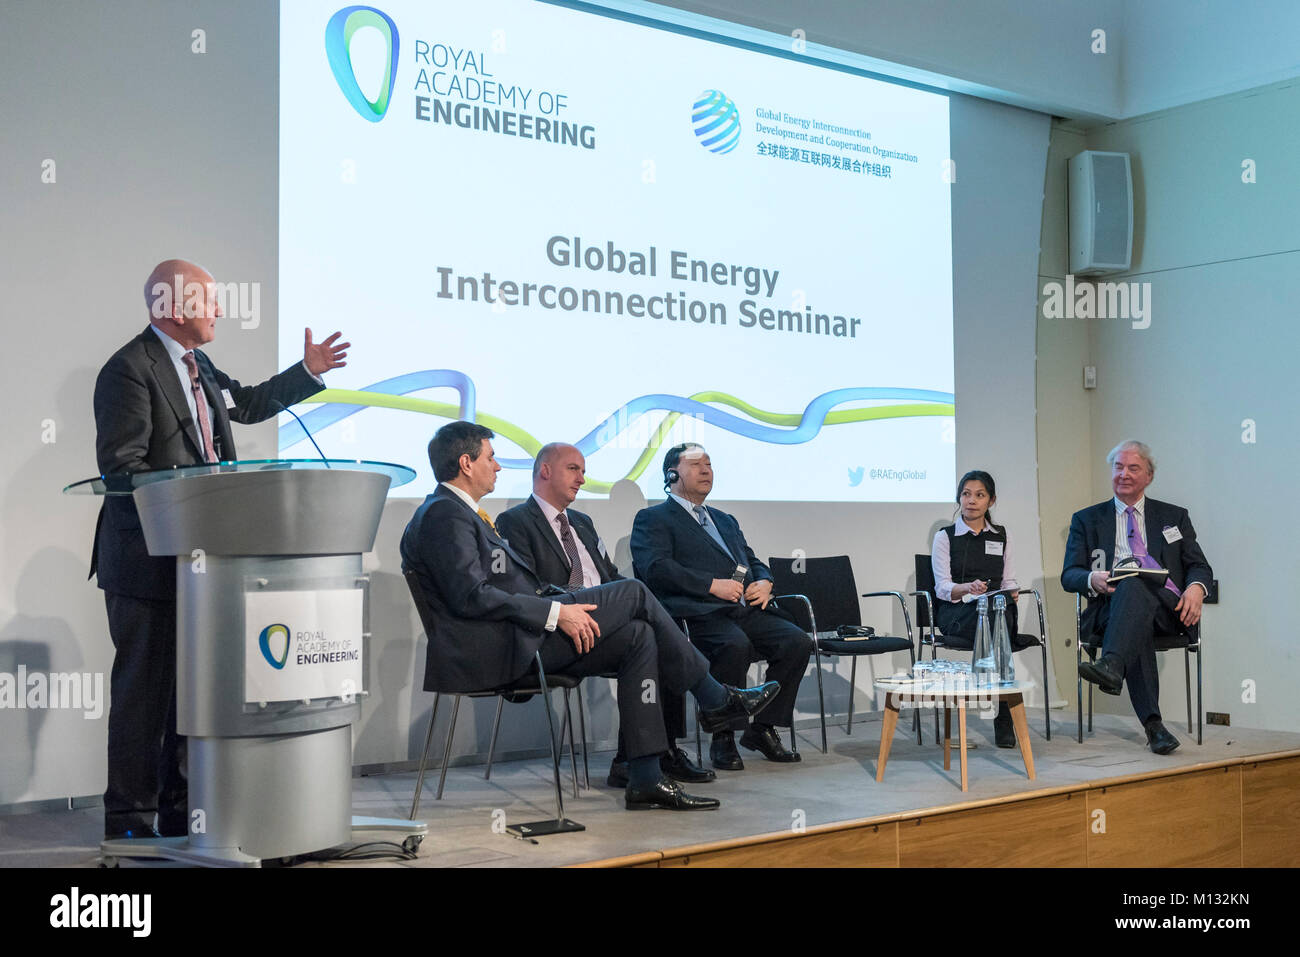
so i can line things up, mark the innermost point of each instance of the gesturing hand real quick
(579, 626)
(323, 356)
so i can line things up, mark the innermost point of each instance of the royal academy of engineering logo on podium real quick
(274, 633)
(716, 121)
(339, 33)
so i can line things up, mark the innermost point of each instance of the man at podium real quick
(161, 403)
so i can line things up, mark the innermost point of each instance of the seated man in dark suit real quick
(1131, 529)
(696, 560)
(498, 614)
(561, 545)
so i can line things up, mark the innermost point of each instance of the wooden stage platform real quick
(1109, 802)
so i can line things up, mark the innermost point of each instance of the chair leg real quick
(446, 751)
(492, 747)
(853, 687)
(555, 753)
(916, 712)
(573, 751)
(424, 759)
(1187, 673)
(1200, 710)
(821, 696)
(699, 742)
(582, 725)
(1078, 660)
(1047, 705)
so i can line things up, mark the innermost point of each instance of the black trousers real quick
(734, 637)
(1128, 622)
(146, 757)
(643, 646)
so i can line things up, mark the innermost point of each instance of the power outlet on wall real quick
(1217, 717)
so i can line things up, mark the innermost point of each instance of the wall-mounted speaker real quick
(1101, 213)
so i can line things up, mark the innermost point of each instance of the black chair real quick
(1019, 642)
(1189, 640)
(822, 593)
(523, 689)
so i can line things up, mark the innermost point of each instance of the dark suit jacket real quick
(526, 529)
(1093, 529)
(143, 422)
(678, 559)
(486, 601)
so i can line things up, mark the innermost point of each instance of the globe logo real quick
(716, 121)
(279, 632)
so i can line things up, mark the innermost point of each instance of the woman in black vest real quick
(970, 557)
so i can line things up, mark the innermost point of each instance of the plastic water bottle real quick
(1002, 660)
(983, 668)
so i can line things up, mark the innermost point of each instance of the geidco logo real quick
(716, 121)
(276, 633)
(339, 33)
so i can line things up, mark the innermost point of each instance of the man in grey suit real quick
(563, 548)
(1131, 529)
(160, 403)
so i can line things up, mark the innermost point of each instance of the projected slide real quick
(571, 227)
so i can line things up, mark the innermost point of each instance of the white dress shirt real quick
(941, 560)
(590, 574)
(176, 352)
(468, 499)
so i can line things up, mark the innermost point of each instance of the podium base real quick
(365, 830)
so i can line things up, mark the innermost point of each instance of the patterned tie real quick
(484, 515)
(570, 549)
(1139, 548)
(702, 514)
(201, 407)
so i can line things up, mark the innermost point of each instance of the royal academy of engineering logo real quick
(340, 30)
(716, 121)
(276, 634)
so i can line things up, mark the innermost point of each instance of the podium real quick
(271, 634)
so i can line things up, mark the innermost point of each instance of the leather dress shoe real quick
(1159, 738)
(666, 795)
(675, 764)
(1004, 733)
(1104, 673)
(766, 741)
(681, 768)
(723, 753)
(741, 703)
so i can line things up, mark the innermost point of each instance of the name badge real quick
(1172, 534)
(600, 547)
(993, 548)
(229, 399)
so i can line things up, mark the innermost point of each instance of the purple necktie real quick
(200, 407)
(570, 549)
(1139, 548)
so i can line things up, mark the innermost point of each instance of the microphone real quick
(285, 408)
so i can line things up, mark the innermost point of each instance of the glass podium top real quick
(126, 482)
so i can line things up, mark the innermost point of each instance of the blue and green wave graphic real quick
(778, 428)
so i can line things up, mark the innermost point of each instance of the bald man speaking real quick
(160, 403)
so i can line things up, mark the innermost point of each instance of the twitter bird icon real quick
(855, 476)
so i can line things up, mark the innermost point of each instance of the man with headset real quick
(697, 562)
